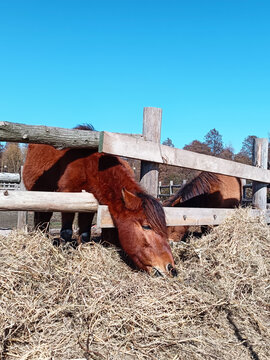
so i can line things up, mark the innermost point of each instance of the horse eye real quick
(146, 227)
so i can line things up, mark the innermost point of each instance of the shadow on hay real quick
(240, 337)
(108, 238)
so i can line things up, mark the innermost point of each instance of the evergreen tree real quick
(213, 140)
(168, 142)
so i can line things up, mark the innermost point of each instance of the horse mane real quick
(200, 185)
(85, 126)
(154, 213)
(152, 208)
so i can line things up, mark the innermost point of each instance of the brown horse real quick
(138, 217)
(207, 190)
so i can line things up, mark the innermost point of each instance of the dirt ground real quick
(8, 220)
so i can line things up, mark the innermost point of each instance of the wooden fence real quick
(145, 147)
(171, 187)
(10, 181)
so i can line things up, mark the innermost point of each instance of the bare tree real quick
(198, 147)
(12, 158)
(247, 146)
(245, 154)
(227, 153)
(1, 151)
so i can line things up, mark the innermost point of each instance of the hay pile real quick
(60, 303)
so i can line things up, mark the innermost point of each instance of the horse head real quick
(142, 234)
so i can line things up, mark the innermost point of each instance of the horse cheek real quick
(126, 238)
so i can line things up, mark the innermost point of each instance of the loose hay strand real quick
(64, 303)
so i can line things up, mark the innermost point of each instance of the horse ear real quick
(131, 201)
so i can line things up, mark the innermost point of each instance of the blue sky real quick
(205, 63)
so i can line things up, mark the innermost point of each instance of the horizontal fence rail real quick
(86, 202)
(171, 187)
(120, 144)
(9, 186)
(58, 137)
(10, 177)
(10, 181)
(184, 216)
(47, 201)
(130, 146)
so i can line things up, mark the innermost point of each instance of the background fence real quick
(145, 147)
(10, 181)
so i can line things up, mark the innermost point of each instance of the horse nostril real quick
(172, 270)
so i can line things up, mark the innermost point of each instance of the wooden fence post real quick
(159, 188)
(22, 215)
(151, 132)
(171, 187)
(243, 186)
(260, 159)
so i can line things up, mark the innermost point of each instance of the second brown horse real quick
(207, 190)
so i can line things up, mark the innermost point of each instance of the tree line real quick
(212, 145)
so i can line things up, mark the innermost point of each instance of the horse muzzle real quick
(170, 271)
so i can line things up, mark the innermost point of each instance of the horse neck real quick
(200, 185)
(107, 184)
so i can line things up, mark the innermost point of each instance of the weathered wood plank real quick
(104, 219)
(10, 177)
(22, 215)
(57, 137)
(204, 216)
(260, 159)
(182, 216)
(47, 201)
(86, 202)
(151, 132)
(123, 145)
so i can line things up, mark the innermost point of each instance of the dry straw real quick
(64, 303)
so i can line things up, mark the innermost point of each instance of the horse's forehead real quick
(139, 215)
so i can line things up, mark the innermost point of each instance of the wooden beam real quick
(260, 160)
(47, 201)
(22, 216)
(151, 132)
(57, 137)
(123, 145)
(86, 202)
(10, 177)
(183, 216)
